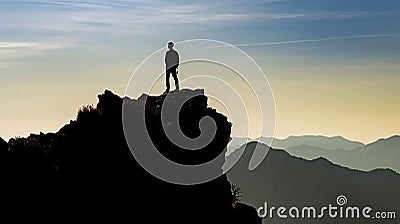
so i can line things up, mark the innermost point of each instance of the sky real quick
(333, 66)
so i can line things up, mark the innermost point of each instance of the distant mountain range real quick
(380, 154)
(284, 180)
(323, 142)
(328, 143)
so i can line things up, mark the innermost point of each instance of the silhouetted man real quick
(171, 65)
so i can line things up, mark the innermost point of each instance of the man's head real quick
(170, 45)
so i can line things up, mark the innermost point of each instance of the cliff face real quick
(87, 164)
(3, 155)
(3, 145)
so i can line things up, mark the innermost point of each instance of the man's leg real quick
(175, 78)
(167, 74)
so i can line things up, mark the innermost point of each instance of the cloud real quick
(15, 50)
(121, 17)
(315, 40)
(85, 15)
(7, 45)
(75, 4)
(83, 21)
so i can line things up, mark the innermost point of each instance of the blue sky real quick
(57, 55)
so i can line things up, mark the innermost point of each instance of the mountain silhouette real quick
(284, 180)
(318, 141)
(328, 143)
(86, 170)
(380, 154)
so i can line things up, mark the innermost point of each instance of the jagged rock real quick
(193, 107)
(3, 146)
(88, 164)
(3, 156)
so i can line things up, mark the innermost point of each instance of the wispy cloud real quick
(84, 4)
(83, 21)
(15, 50)
(315, 40)
(118, 17)
(8, 45)
(136, 17)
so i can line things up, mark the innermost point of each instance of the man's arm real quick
(177, 58)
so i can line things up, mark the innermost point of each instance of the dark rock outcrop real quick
(3, 145)
(86, 168)
(3, 156)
